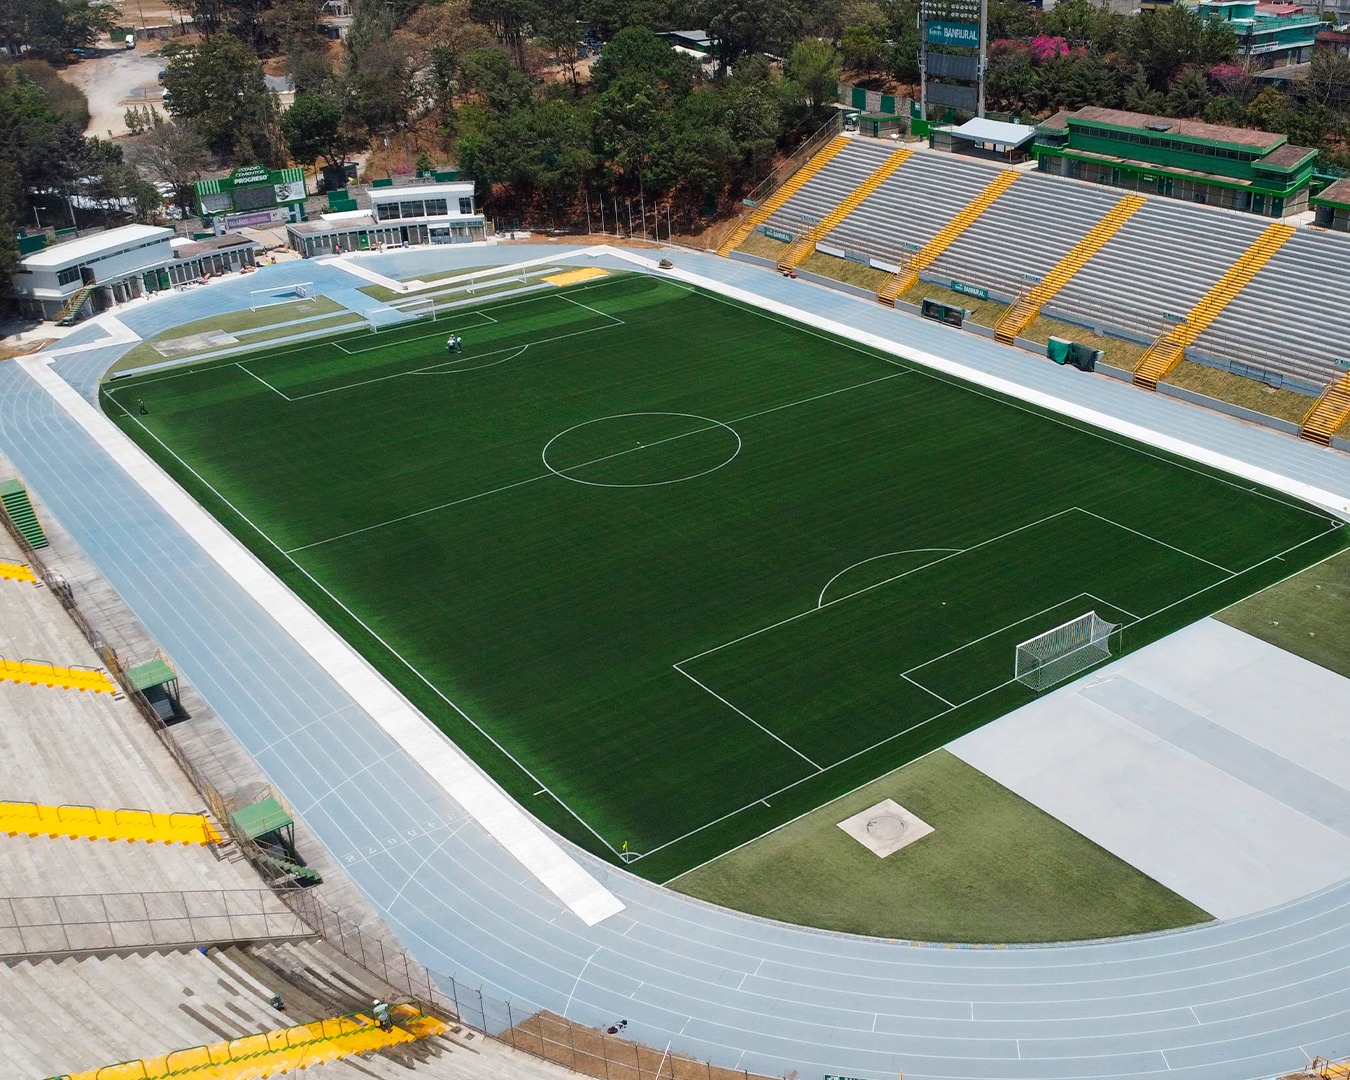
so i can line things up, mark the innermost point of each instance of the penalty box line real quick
(416, 337)
(763, 799)
(908, 673)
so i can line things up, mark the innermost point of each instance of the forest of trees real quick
(504, 90)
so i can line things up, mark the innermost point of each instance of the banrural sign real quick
(954, 33)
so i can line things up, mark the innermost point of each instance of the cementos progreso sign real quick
(954, 33)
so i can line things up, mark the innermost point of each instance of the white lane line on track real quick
(578, 982)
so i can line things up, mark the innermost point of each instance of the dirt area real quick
(592, 1052)
(115, 80)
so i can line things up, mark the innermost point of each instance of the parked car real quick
(131, 41)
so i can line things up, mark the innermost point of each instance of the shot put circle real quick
(887, 828)
(624, 443)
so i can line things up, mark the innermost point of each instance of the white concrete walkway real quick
(1210, 760)
(478, 795)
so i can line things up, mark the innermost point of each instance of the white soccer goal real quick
(387, 316)
(1065, 651)
(279, 294)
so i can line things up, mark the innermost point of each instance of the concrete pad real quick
(885, 828)
(1140, 760)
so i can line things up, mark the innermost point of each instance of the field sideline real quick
(667, 567)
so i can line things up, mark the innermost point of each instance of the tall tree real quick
(49, 29)
(173, 153)
(637, 52)
(1164, 40)
(313, 127)
(218, 86)
(812, 72)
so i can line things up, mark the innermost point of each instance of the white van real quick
(131, 41)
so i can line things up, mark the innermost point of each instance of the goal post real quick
(279, 294)
(1066, 651)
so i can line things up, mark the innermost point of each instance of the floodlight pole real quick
(923, 63)
(984, 52)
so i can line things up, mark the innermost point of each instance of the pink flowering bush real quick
(1045, 48)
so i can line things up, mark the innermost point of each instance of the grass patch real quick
(604, 536)
(996, 869)
(1118, 353)
(233, 322)
(845, 270)
(982, 312)
(764, 246)
(1236, 390)
(1306, 614)
(384, 294)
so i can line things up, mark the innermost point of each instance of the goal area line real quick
(1084, 600)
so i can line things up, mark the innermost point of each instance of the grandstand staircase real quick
(284, 867)
(70, 311)
(19, 510)
(92, 823)
(1328, 413)
(791, 186)
(270, 1052)
(1023, 312)
(900, 283)
(805, 244)
(1170, 348)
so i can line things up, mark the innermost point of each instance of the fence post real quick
(510, 1023)
(482, 1011)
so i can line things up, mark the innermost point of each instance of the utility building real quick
(1258, 172)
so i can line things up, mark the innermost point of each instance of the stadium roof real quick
(998, 132)
(87, 247)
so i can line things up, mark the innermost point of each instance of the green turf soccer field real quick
(675, 571)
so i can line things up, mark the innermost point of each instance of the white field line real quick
(1163, 543)
(498, 814)
(514, 351)
(756, 800)
(1336, 502)
(877, 585)
(773, 735)
(594, 461)
(1003, 630)
(385, 343)
(260, 379)
(820, 602)
(926, 689)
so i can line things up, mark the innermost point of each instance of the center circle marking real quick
(641, 446)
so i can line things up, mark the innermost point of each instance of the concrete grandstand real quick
(1242, 998)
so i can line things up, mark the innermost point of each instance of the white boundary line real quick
(498, 814)
(1337, 503)
(970, 701)
(738, 712)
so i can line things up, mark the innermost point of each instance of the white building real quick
(65, 281)
(422, 214)
(49, 280)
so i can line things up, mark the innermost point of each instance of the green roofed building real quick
(1333, 206)
(1259, 172)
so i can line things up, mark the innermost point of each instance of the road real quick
(115, 80)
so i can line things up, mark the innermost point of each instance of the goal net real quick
(1065, 651)
(387, 316)
(280, 294)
